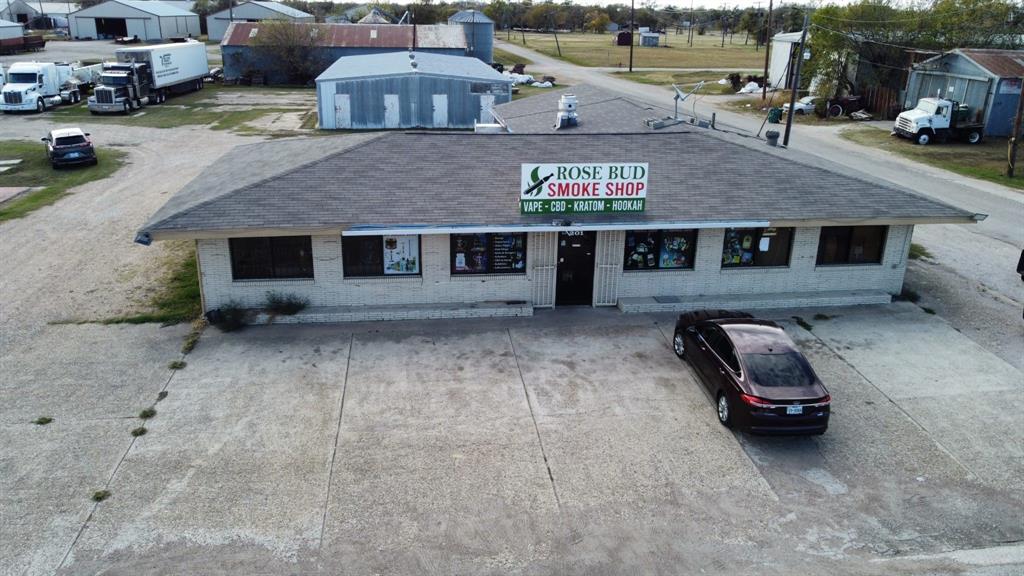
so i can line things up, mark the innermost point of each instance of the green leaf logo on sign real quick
(583, 188)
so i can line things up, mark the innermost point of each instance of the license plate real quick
(794, 409)
(74, 155)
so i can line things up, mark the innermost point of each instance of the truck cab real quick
(123, 87)
(937, 119)
(37, 86)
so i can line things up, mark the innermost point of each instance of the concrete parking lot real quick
(571, 442)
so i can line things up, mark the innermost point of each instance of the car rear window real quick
(69, 140)
(786, 369)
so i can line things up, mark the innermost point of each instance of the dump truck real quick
(42, 85)
(938, 120)
(148, 75)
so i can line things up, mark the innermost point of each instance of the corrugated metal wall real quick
(542, 250)
(608, 267)
(415, 95)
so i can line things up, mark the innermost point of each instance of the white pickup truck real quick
(938, 120)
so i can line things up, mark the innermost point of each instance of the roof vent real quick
(414, 64)
(566, 116)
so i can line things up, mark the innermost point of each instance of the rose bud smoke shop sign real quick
(583, 188)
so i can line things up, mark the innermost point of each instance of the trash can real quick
(774, 115)
(772, 137)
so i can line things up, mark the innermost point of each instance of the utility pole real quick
(767, 49)
(690, 35)
(796, 83)
(1012, 156)
(724, 25)
(632, 31)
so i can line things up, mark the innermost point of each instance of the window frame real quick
(490, 271)
(659, 241)
(380, 272)
(234, 247)
(849, 246)
(756, 241)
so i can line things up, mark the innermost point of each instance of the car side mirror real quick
(691, 329)
(45, 139)
(86, 133)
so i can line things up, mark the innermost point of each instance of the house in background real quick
(150, 20)
(255, 11)
(987, 81)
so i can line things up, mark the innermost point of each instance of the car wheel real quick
(974, 137)
(724, 410)
(94, 162)
(923, 139)
(679, 345)
(126, 108)
(799, 111)
(40, 105)
(835, 111)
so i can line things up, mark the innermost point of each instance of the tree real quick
(598, 22)
(290, 47)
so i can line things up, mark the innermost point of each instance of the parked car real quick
(759, 380)
(805, 105)
(66, 146)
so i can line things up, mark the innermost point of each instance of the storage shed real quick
(479, 33)
(409, 90)
(217, 24)
(650, 39)
(242, 56)
(781, 65)
(987, 81)
(10, 30)
(150, 20)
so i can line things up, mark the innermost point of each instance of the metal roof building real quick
(148, 19)
(409, 90)
(334, 41)
(406, 225)
(10, 29)
(55, 13)
(987, 81)
(252, 11)
(479, 33)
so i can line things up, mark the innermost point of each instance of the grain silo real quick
(479, 33)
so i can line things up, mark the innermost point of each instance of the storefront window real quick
(380, 255)
(851, 245)
(756, 247)
(270, 258)
(488, 253)
(659, 249)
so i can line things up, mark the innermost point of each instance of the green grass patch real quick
(685, 80)
(918, 252)
(140, 431)
(147, 413)
(509, 59)
(35, 171)
(178, 300)
(42, 420)
(177, 365)
(985, 161)
(803, 323)
(100, 495)
(600, 50)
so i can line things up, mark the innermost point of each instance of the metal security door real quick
(342, 111)
(440, 110)
(486, 106)
(574, 282)
(392, 112)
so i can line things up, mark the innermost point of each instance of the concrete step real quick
(399, 312)
(670, 303)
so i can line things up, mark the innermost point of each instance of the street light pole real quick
(632, 31)
(796, 83)
(767, 49)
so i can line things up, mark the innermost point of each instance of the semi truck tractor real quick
(938, 120)
(41, 85)
(148, 75)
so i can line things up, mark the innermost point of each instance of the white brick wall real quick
(437, 285)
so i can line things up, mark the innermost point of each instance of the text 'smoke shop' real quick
(411, 225)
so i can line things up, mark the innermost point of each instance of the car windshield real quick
(929, 107)
(786, 369)
(22, 78)
(69, 140)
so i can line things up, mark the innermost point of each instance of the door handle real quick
(720, 371)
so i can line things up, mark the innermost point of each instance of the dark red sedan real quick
(759, 380)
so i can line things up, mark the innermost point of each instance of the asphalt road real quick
(978, 259)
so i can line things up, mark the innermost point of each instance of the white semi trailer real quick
(147, 75)
(41, 85)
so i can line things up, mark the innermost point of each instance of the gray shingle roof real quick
(448, 179)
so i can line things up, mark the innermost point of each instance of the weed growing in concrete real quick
(908, 295)
(177, 365)
(823, 317)
(147, 413)
(918, 251)
(42, 420)
(140, 431)
(100, 495)
(198, 325)
(232, 316)
(285, 304)
(161, 395)
(803, 323)
(928, 310)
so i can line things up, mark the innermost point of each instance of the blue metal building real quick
(479, 33)
(409, 90)
(987, 81)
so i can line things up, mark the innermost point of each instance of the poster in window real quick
(509, 253)
(641, 250)
(675, 251)
(732, 253)
(470, 252)
(401, 255)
